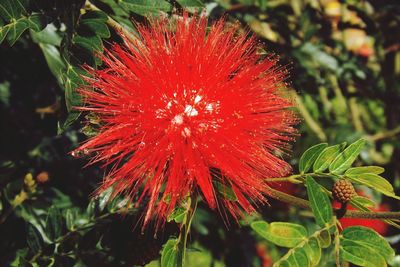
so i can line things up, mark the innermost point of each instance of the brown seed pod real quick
(343, 191)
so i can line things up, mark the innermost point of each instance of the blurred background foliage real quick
(344, 65)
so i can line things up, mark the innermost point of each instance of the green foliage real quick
(326, 157)
(346, 158)
(169, 257)
(319, 201)
(309, 156)
(364, 247)
(280, 233)
(17, 18)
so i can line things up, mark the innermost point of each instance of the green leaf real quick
(99, 16)
(34, 238)
(90, 43)
(363, 170)
(280, 233)
(18, 19)
(326, 157)
(48, 41)
(104, 198)
(169, 254)
(319, 201)
(309, 156)
(177, 215)
(70, 216)
(298, 258)
(16, 28)
(359, 255)
(360, 200)
(71, 118)
(54, 61)
(95, 22)
(72, 80)
(345, 159)
(375, 182)
(369, 238)
(49, 35)
(324, 239)
(145, 7)
(313, 251)
(54, 223)
(19, 260)
(191, 5)
(11, 9)
(99, 28)
(225, 191)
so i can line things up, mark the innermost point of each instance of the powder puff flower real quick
(188, 108)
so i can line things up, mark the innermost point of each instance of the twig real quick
(337, 246)
(299, 202)
(384, 135)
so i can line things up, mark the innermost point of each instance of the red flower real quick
(185, 106)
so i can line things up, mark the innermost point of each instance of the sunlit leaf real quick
(319, 201)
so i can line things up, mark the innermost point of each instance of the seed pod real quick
(343, 191)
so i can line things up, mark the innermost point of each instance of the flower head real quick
(188, 108)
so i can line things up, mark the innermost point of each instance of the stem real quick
(296, 177)
(337, 245)
(385, 135)
(299, 202)
(185, 229)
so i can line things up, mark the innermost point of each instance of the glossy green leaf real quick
(14, 29)
(280, 233)
(34, 238)
(345, 159)
(359, 255)
(370, 239)
(95, 21)
(375, 182)
(72, 80)
(365, 169)
(104, 198)
(54, 223)
(169, 254)
(91, 43)
(99, 28)
(18, 19)
(50, 35)
(70, 216)
(327, 156)
(145, 7)
(309, 156)
(320, 202)
(11, 9)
